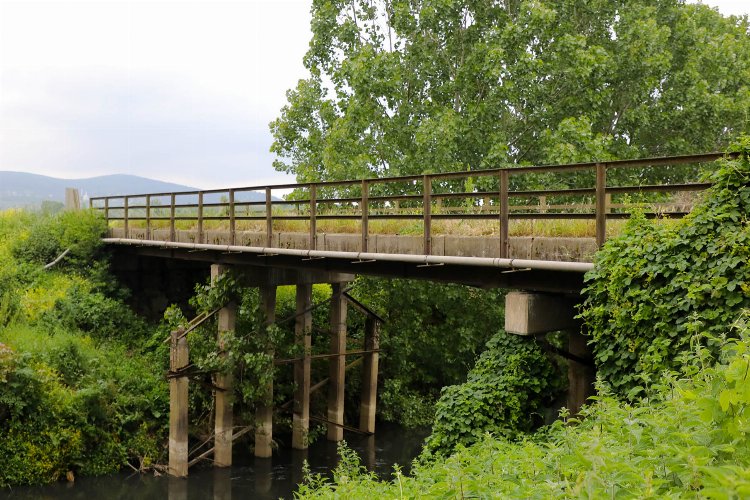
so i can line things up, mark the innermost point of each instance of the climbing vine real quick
(658, 284)
(504, 392)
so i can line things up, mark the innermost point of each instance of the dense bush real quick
(102, 317)
(74, 396)
(66, 405)
(691, 438)
(48, 236)
(503, 395)
(656, 285)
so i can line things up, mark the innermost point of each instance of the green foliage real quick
(656, 285)
(76, 392)
(690, 439)
(49, 236)
(102, 317)
(422, 318)
(416, 86)
(509, 385)
(67, 405)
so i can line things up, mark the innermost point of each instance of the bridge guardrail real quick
(425, 198)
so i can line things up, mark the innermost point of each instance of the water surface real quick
(276, 477)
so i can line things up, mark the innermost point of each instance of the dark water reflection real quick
(250, 478)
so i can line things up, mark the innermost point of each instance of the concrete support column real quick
(264, 413)
(537, 314)
(337, 364)
(581, 377)
(223, 425)
(302, 329)
(178, 406)
(368, 401)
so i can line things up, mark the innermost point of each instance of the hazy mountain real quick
(20, 189)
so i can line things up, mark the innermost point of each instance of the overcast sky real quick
(173, 90)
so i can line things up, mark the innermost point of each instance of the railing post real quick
(106, 211)
(601, 203)
(365, 207)
(427, 214)
(232, 237)
(171, 218)
(125, 216)
(200, 217)
(269, 219)
(148, 216)
(504, 214)
(313, 215)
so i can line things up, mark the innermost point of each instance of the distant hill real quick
(20, 189)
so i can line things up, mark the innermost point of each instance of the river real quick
(249, 478)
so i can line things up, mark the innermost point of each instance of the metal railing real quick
(425, 198)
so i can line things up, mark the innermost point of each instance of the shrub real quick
(49, 236)
(66, 405)
(690, 439)
(508, 386)
(654, 286)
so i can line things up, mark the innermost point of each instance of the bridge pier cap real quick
(530, 313)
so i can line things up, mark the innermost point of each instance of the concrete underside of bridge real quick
(512, 278)
(161, 273)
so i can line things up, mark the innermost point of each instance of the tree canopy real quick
(416, 86)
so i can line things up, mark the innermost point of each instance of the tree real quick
(403, 87)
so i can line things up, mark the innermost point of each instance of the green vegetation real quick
(504, 395)
(403, 87)
(680, 288)
(75, 393)
(655, 286)
(422, 318)
(688, 439)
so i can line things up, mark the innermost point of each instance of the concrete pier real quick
(302, 330)
(224, 399)
(264, 413)
(368, 401)
(178, 406)
(337, 364)
(538, 314)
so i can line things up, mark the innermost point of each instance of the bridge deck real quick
(185, 224)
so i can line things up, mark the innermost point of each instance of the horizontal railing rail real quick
(484, 195)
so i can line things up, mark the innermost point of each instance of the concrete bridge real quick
(409, 227)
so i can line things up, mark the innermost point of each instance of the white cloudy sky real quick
(174, 90)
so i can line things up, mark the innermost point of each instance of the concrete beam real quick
(535, 313)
